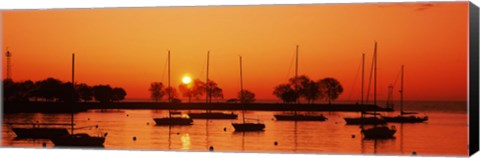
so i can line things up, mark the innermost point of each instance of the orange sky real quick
(128, 47)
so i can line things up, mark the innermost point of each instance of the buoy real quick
(127, 115)
(134, 138)
(178, 133)
(88, 119)
(44, 145)
(353, 135)
(96, 126)
(414, 153)
(211, 148)
(275, 143)
(148, 123)
(225, 129)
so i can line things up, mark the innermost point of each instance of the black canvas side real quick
(473, 100)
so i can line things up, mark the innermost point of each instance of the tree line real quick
(195, 90)
(54, 90)
(327, 89)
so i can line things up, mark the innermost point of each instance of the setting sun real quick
(186, 80)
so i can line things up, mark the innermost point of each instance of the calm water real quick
(444, 134)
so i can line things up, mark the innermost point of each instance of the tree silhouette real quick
(26, 89)
(17, 92)
(49, 88)
(85, 92)
(213, 91)
(52, 89)
(9, 89)
(301, 82)
(198, 89)
(103, 93)
(246, 97)
(187, 91)
(306, 88)
(172, 91)
(156, 91)
(118, 94)
(286, 93)
(331, 88)
(67, 93)
(311, 91)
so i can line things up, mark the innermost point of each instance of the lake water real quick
(445, 133)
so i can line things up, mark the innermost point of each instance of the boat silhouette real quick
(80, 139)
(208, 114)
(37, 132)
(382, 131)
(404, 117)
(173, 117)
(246, 126)
(295, 116)
(363, 119)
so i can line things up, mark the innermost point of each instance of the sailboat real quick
(80, 139)
(295, 116)
(382, 131)
(37, 132)
(402, 118)
(363, 120)
(173, 118)
(208, 114)
(246, 126)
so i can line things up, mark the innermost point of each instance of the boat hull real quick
(300, 118)
(365, 121)
(173, 121)
(405, 119)
(215, 115)
(78, 140)
(379, 133)
(242, 127)
(40, 133)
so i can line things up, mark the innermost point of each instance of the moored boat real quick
(40, 133)
(295, 116)
(81, 139)
(172, 119)
(208, 114)
(381, 132)
(246, 126)
(405, 117)
(300, 117)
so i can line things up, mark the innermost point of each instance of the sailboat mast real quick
(207, 87)
(375, 83)
(296, 78)
(296, 72)
(401, 92)
(241, 91)
(363, 78)
(73, 83)
(169, 88)
(375, 77)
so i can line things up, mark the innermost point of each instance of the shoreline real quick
(56, 107)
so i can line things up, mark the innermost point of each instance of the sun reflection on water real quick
(185, 138)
